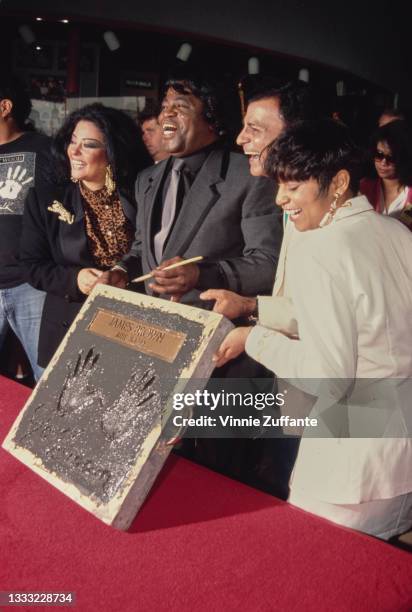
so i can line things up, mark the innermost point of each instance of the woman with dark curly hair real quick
(390, 193)
(72, 233)
(348, 279)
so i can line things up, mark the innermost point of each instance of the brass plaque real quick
(138, 335)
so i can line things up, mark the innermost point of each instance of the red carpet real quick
(201, 542)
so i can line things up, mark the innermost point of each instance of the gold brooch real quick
(59, 209)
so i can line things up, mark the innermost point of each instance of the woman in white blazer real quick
(349, 280)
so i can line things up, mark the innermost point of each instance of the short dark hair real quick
(12, 88)
(147, 115)
(297, 101)
(397, 134)
(122, 138)
(212, 111)
(314, 149)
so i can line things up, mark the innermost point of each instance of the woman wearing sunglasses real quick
(390, 192)
(74, 232)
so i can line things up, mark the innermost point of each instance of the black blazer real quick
(228, 216)
(53, 252)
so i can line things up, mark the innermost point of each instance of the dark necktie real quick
(169, 208)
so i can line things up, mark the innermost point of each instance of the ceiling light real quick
(253, 65)
(111, 40)
(184, 52)
(340, 89)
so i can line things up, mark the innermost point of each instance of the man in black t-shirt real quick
(24, 161)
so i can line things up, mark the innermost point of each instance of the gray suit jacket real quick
(228, 216)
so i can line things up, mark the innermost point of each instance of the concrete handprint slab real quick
(98, 422)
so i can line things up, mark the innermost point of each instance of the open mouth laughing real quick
(77, 165)
(253, 155)
(293, 213)
(169, 129)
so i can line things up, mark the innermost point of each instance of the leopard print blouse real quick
(109, 232)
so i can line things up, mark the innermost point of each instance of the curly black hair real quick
(122, 139)
(397, 135)
(314, 149)
(212, 109)
(11, 88)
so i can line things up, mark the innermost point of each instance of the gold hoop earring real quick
(109, 181)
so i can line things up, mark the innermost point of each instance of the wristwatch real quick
(254, 316)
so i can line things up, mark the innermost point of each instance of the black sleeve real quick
(212, 275)
(38, 252)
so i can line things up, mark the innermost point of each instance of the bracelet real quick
(118, 267)
(122, 269)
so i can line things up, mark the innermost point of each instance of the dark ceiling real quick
(368, 39)
(362, 38)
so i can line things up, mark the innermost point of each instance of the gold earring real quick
(109, 181)
(334, 203)
(74, 180)
(332, 210)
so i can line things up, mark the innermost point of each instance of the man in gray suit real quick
(206, 203)
(268, 113)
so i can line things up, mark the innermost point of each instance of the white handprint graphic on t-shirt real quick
(11, 187)
(15, 180)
